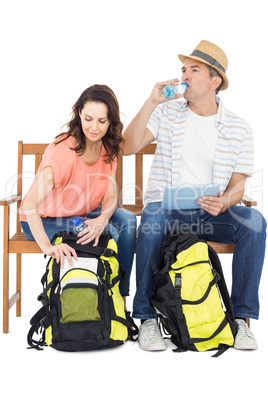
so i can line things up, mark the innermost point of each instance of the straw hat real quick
(210, 54)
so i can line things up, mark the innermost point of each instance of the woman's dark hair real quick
(113, 138)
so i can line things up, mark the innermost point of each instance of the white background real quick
(50, 52)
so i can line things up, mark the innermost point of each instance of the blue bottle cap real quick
(76, 221)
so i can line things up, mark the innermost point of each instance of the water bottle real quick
(78, 225)
(171, 90)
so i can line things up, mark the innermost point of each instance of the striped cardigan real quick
(233, 153)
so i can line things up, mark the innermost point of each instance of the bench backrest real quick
(138, 184)
(27, 149)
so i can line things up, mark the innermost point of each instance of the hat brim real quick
(225, 82)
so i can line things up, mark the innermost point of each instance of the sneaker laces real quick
(152, 330)
(244, 331)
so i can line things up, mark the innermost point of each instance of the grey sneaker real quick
(244, 338)
(150, 337)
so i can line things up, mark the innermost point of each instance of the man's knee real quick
(250, 219)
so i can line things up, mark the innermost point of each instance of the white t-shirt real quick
(196, 166)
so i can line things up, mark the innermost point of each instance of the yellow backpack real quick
(82, 306)
(191, 298)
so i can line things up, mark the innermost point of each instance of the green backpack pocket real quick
(79, 296)
(79, 304)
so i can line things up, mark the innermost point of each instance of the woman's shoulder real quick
(61, 158)
(61, 147)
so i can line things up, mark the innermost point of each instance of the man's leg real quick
(151, 233)
(247, 228)
(155, 225)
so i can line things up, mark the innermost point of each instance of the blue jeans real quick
(244, 226)
(122, 227)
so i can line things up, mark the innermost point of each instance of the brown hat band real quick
(208, 58)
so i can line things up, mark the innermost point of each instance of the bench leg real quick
(6, 271)
(248, 322)
(18, 288)
(5, 295)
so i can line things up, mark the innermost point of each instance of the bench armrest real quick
(248, 202)
(9, 200)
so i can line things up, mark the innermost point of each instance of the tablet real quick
(185, 197)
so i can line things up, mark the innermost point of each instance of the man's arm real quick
(232, 196)
(137, 135)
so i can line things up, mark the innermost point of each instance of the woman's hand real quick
(93, 231)
(60, 251)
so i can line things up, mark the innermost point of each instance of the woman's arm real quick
(35, 197)
(97, 225)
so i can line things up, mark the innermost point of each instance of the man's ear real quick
(215, 83)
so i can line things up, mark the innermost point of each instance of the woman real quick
(75, 176)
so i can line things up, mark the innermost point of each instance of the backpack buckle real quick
(108, 252)
(178, 281)
(43, 299)
(45, 322)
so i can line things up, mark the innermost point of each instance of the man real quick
(198, 142)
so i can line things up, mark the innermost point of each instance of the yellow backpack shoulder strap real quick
(216, 264)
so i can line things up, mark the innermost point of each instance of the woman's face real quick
(94, 120)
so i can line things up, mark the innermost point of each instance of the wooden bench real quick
(19, 244)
